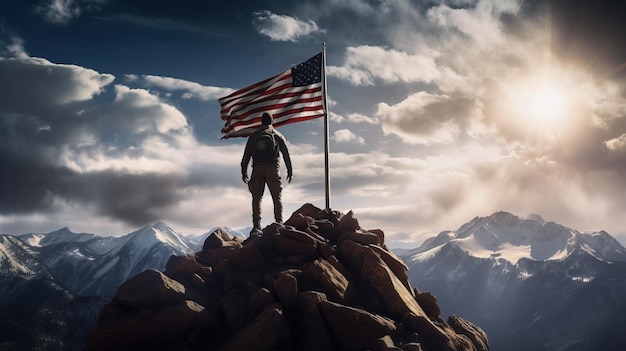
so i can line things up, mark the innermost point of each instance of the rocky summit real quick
(317, 282)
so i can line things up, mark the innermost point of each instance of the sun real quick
(546, 104)
(538, 104)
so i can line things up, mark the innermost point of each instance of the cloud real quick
(354, 118)
(424, 118)
(283, 28)
(139, 111)
(67, 146)
(63, 11)
(14, 47)
(191, 89)
(617, 144)
(360, 118)
(32, 83)
(346, 136)
(365, 64)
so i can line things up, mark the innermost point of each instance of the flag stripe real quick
(292, 96)
(277, 97)
(276, 107)
(251, 92)
(279, 116)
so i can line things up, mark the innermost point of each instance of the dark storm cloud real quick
(60, 146)
(32, 85)
(30, 183)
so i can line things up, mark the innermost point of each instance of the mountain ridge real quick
(513, 276)
(504, 235)
(530, 284)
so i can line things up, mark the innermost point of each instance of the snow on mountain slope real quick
(159, 233)
(530, 284)
(97, 266)
(57, 236)
(25, 283)
(505, 236)
(16, 260)
(89, 264)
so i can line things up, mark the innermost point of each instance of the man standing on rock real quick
(263, 147)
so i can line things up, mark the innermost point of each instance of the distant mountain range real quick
(533, 285)
(52, 285)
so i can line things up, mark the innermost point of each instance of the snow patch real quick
(35, 240)
(426, 255)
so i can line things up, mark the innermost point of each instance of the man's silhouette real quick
(264, 147)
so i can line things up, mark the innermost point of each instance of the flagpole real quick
(326, 145)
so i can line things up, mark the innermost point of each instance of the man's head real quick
(266, 119)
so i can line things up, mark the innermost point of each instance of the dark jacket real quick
(272, 159)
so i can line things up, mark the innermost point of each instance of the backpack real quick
(265, 148)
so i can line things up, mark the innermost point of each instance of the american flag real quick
(292, 96)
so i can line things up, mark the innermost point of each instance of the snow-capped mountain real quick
(532, 284)
(88, 264)
(57, 236)
(92, 265)
(21, 272)
(508, 237)
(53, 285)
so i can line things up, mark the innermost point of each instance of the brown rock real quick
(220, 238)
(325, 226)
(181, 266)
(235, 309)
(267, 332)
(386, 344)
(313, 333)
(287, 246)
(299, 236)
(326, 250)
(340, 267)
(398, 300)
(308, 210)
(213, 257)
(428, 302)
(299, 221)
(287, 288)
(150, 288)
(394, 294)
(426, 329)
(259, 300)
(343, 319)
(360, 237)
(247, 257)
(347, 223)
(205, 272)
(196, 280)
(332, 282)
(476, 335)
(315, 234)
(147, 329)
(412, 346)
(353, 255)
(394, 263)
(379, 233)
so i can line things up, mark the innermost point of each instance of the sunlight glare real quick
(546, 105)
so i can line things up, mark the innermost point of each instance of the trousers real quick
(261, 175)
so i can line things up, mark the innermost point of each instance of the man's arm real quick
(282, 145)
(245, 161)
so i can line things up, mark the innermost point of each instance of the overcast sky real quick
(440, 111)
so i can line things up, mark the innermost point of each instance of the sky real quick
(439, 111)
